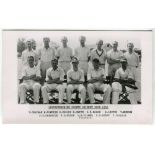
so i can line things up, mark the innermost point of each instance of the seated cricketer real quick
(31, 77)
(54, 81)
(96, 77)
(123, 74)
(75, 80)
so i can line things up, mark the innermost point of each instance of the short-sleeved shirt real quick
(114, 54)
(99, 55)
(54, 74)
(121, 74)
(78, 75)
(46, 55)
(28, 71)
(132, 59)
(26, 53)
(64, 54)
(82, 53)
(92, 73)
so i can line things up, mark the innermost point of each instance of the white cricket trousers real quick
(80, 88)
(49, 87)
(105, 88)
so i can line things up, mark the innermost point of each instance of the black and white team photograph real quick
(79, 67)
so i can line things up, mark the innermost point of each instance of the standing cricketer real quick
(64, 55)
(133, 64)
(46, 54)
(75, 80)
(99, 53)
(83, 54)
(113, 59)
(27, 53)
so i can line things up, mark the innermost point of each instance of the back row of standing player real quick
(84, 55)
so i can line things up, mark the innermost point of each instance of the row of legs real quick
(116, 89)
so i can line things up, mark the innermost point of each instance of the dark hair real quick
(96, 60)
(30, 57)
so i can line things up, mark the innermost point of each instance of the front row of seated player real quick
(75, 81)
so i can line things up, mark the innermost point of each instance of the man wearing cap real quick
(29, 52)
(99, 53)
(123, 74)
(46, 54)
(133, 64)
(83, 54)
(96, 77)
(31, 77)
(75, 80)
(64, 55)
(113, 59)
(54, 79)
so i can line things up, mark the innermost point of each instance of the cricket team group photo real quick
(57, 73)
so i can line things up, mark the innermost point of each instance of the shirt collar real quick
(55, 70)
(30, 51)
(97, 52)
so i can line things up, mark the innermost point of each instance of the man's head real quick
(54, 63)
(115, 45)
(29, 44)
(124, 63)
(46, 41)
(130, 47)
(82, 40)
(75, 63)
(33, 44)
(99, 44)
(96, 63)
(31, 61)
(64, 41)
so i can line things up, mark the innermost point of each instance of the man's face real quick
(64, 42)
(115, 45)
(124, 64)
(54, 64)
(82, 41)
(46, 43)
(100, 44)
(31, 62)
(96, 64)
(34, 45)
(75, 65)
(29, 45)
(130, 47)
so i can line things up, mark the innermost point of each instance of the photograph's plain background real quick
(76, 139)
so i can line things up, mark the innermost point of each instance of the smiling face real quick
(82, 40)
(96, 64)
(46, 43)
(75, 66)
(54, 64)
(64, 42)
(99, 44)
(115, 45)
(124, 64)
(130, 47)
(34, 45)
(31, 61)
(29, 45)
